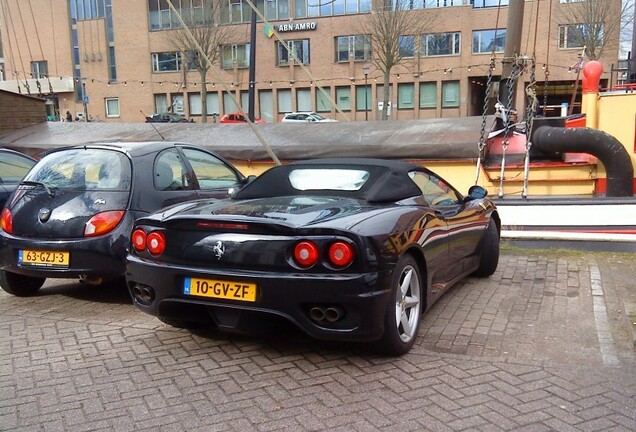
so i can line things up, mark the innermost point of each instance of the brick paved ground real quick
(543, 345)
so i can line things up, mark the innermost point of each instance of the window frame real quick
(456, 44)
(352, 42)
(496, 33)
(107, 110)
(291, 45)
(445, 87)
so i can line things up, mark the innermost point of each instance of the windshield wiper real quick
(37, 183)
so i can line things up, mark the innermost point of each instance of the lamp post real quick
(365, 69)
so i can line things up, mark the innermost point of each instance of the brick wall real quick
(18, 111)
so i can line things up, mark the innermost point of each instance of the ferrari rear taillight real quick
(340, 254)
(138, 239)
(6, 221)
(103, 223)
(156, 242)
(306, 253)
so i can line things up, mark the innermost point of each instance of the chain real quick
(507, 111)
(531, 92)
(510, 84)
(482, 136)
(37, 83)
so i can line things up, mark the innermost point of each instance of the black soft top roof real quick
(388, 180)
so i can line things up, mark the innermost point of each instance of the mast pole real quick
(512, 48)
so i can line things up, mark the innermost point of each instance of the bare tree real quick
(209, 35)
(395, 30)
(593, 24)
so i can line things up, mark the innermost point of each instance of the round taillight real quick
(138, 239)
(341, 254)
(156, 242)
(6, 221)
(306, 253)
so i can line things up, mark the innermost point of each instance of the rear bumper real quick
(102, 256)
(361, 298)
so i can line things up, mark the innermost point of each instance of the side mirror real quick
(250, 179)
(477, 192)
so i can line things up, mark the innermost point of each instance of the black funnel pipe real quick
(611, 153)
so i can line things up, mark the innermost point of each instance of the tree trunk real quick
(386, 94)
(204, 96)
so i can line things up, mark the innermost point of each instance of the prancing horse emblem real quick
(219, 249)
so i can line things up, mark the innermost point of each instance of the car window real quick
(211, 172)
(435, 190)
(13, 167)
(85, 168)
(328, 179)
(170, 173)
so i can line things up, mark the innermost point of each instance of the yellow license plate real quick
(230, 290)
(44, 258)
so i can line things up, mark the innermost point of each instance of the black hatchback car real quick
(72, 215)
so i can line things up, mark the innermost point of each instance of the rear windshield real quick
(328, 179)
(90, 169)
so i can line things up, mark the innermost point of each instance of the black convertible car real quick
(346, 249)
(71, 216)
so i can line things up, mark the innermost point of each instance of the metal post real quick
(252, 71)
(85, 101)
(366, 93)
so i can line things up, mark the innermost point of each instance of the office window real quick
(310, 8)
(407, 46)
(489, 3)
(161, 103)
(229, 104)
(177, 104)
(239, 53)
(357, 46)
(212, 107)
(577, 35)
(239, 11)
(39, 69)
(450, 94)
(406, 96)
(166, 62)
(363, 98)
(299, 47)
(485, 40)
(440, 44)
(428, 95)
(284, 101)
(343, 98)
(303, 99)
(86, 9)
(161, 17)
(112, 107)
(323, 104)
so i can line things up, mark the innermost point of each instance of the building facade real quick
(115, 60)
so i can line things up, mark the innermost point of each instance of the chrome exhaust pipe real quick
(317, 314)
(333, 314)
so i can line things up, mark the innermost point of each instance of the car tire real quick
(20, 285)
(402, 317)
(489, 255)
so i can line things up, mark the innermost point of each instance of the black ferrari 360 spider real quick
(346, 249)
